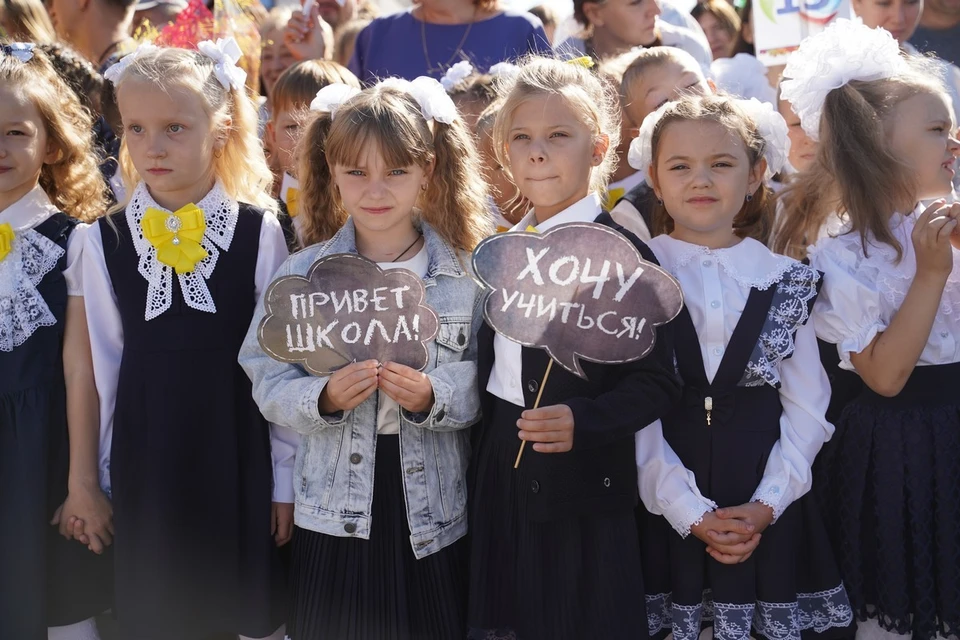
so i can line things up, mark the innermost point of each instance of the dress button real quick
(715, 304)
(606, 482)
(350, 528)
(708, 263)
(532, 386)
(356, 458)
(717, 351)
(944, 334)
(535, 486)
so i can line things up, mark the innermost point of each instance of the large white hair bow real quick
(504, 71)
(846, 50)
(332, 96)
(22, 51)
(435, 103)
(225, 54)
(456, 74)
(115, 72)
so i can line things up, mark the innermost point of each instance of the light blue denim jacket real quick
(333, 473)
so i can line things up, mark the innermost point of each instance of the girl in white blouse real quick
(732, 462)
(890, 301)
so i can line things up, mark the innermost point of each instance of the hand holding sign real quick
(579, 291)
(347, 310)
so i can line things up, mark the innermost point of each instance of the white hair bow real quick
(22, 51)
(456, 74)
(504, 71)
(435, 103)
(332, 96)
(115, 72)
(225, 54)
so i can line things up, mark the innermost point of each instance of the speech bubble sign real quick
(347, 309)
(581, 291)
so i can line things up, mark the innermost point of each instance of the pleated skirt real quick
(571, 578)
(376, 589)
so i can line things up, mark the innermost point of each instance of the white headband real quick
(846, 50)
(225, 54)
(332, 96)
(770, 125)
(22, 51)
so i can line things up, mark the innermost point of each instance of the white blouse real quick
(862, 291)
(716, 284)
(505, 377)
(106, 328)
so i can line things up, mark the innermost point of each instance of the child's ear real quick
(600, 147)
(756, 176)
(428, 170)
(269, 134)
(224, 134)
(592, 10)
(53, 153)
(654, 181)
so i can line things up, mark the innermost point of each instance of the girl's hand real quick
(756, 514)
(551, 428)
(86, 516)
(281, 522)
(308, 37)
(348, 387)
(933, 238)
(727, 553)
(409, 388)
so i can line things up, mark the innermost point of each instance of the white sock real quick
(279, 634)
(86, 630)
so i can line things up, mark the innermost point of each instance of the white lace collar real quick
(32, 256)
(220, 214)
(29, 211)
(748, 262)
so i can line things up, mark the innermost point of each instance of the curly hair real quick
(78, 73)
(73, 181)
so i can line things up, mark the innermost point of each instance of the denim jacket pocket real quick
(453, 339)
(314, 490)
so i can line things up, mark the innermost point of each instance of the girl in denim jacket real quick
(389, 173)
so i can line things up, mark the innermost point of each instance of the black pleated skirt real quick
(890, 487)
(567, 579)
(376, 589)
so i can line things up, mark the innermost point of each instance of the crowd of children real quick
(784, 464)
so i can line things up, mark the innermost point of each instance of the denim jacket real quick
(334, 468)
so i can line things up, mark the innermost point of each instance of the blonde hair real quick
(298, 85)
(73, 181)
(857, 173)
(652, 58)
(30, 21)
(241, 166)
(756, 216)
(455, 201)
(595, 104)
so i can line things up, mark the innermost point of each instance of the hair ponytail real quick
(320, 212)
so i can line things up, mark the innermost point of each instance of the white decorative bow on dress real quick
(22, 51)
(225, 53)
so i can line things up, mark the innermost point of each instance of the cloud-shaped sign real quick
(347, 309)
(580, 291)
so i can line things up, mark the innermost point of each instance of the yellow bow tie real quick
(293, 206)
(613, 195)
(176, 236)
(6, 240)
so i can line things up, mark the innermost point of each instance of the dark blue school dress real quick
(190, 458)
(45, 580)
(790, 587)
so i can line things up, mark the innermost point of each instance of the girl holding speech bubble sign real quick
(171, 279)
(391, 174)
(554, 551)
(731, 463)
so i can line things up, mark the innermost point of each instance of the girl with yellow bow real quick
(172, 278)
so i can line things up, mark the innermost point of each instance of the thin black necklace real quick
(415, 241)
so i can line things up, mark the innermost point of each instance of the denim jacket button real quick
(532, 386)
(535, 486)
(440, 415)
(356, 458)
(461, 339)
(350, 528)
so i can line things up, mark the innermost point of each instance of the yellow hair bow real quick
(6, 240)
(176, 236)
(583, 61)
(293, 206)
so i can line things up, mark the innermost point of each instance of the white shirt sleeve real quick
(805, 395)
(667, 488)
(106, 339)
(283, 441)
(73, 272)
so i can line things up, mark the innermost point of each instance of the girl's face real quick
(721, 41)
(504, 192)
(703, 175)
(24, 145)
(899, 17)
(921, 136)
(552, 153)
(275, 58)
(632, 22)
(663, 83)
(803, 148)
(284, 131)
(379, 197)
(171, 140)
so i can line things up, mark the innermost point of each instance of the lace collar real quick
(28, 257)
(749, 262)
(220, 214)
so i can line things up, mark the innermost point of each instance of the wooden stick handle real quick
(536, 404)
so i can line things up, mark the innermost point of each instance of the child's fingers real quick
(359, 388)
(723, 558)
(403, 371)
(735, 523)
(553, 447)
(397, 393)
(56, 517)
(95, 544)
(728, 538)
(549, 424)
(357, 400)
(547, 413)
(544, 436)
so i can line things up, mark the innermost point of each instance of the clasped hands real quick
(732, 534)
